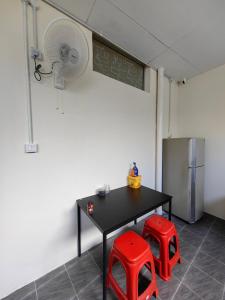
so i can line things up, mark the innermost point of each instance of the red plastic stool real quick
(133, 252)
(164, 232)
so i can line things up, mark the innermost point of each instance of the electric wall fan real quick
(66, 49)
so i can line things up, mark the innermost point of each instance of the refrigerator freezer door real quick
(196, 152)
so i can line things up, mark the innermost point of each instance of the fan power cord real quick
(38, 72)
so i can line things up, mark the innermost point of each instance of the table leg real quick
(135, 221)
(170, 208)
(78, 231)
(104, 264)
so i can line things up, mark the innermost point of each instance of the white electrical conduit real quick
(169, 108)
(35, 34)
(27, 70)
(159, 132)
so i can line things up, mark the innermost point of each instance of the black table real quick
(116, 209)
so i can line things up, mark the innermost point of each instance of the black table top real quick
(121, 206)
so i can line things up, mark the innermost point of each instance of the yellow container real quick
(134, 182)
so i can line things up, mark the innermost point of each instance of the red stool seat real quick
(164, 232)
(160, 225)
(131, 246)
(133, 252)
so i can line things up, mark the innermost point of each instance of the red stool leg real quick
(157, 260)
(178, 247)
(154, 283)
(176, 258)
(132, 284)
(165, 259)
(151, 289)
(111, 281)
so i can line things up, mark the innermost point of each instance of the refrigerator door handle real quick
(193, 194)
(195, 167)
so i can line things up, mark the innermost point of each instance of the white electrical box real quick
(31, 148)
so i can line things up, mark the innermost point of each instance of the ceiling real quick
(186, 37)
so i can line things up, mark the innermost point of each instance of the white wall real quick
(201, 113)
(105, 126)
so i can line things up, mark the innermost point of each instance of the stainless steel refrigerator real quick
(183, 176)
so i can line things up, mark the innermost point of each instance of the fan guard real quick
(65, 45)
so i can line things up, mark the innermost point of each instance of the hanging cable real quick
(38, 72)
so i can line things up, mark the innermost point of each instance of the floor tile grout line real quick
(177, 277)
(207, 274)
(89, 283)
(197, 233)
(50, 279)
(199, 268)
(181, 228)
(193, 245)
(75, 292)
(197, 252)
(28, 294)
(206, 253)
(192, 291)
(218, 233)
(36, 290)
(94, 262)
(223, 296)
(220, 261)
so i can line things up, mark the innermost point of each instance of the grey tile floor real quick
(200, 276)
